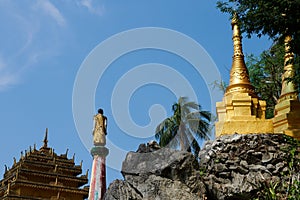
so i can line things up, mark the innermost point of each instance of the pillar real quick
(98, 176)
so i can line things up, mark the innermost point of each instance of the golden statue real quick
(99, 132)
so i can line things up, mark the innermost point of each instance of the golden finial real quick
(239, 77)
(288, 90)
(46, 139)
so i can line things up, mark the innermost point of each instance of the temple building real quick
(43, 174)
(241, 111)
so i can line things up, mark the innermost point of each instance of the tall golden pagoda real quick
(287, 109)
(42, 174)
(240, 110)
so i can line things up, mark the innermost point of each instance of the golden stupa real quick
(240, 110)
(287, 109)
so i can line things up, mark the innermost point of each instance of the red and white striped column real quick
(98, 177)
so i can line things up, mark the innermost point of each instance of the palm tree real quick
(185, 127)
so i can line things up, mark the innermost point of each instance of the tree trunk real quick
(181, 132)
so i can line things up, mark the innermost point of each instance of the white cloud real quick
(7, 79)
(52, 11)
(90, 5)
(27, 46)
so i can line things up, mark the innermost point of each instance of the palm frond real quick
(185, 127)
(192, 105)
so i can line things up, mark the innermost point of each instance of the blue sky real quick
(43, 45)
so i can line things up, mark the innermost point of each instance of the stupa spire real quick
(46, 139)
(287, 109)
(240, 111)
(288, 90)
(239, 76)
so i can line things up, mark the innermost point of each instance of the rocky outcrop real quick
(122, 190)
(161, 174)
(230, 167)
(235, 166)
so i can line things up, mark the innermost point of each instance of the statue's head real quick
(100, 111)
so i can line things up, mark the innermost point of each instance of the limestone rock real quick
(237, 165)
(149, 147)
(156, 187)
(168, 163)
(230, 167)
(161, 174)
(122, 190)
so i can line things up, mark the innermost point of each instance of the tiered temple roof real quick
(42, 174)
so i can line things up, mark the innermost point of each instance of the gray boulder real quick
(161, 174)
(122, 190)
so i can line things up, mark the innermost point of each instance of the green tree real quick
(188, 124)
(265, 74)
(274, 18)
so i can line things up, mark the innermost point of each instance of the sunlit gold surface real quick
(240, 111)
(288, 88)
(239, 77)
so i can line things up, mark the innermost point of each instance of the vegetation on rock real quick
(289, 186)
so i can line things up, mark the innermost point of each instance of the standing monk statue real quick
(99, 132)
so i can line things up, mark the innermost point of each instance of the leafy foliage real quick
(265, 75)
(274, 18)
(185, 127)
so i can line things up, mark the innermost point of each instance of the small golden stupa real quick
(240, 110)
(287, 109)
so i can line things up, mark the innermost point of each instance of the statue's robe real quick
(99, 130)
